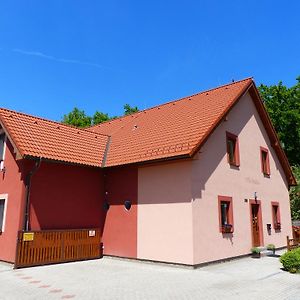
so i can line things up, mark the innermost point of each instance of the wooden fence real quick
(296, 232)
(56, 246)
(292, 243)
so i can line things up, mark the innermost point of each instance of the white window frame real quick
(5, 198)
(4, 150)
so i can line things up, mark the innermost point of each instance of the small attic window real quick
(233, 155)
(2, 144)
(2, 150)
(265, 161)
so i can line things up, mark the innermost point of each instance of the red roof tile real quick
(36, 137)
(172, 130)
(169, 130)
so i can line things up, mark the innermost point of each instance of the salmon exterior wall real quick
(165, 227)
(66, 197)
(120, 229)
(12, 184)
(213, 176)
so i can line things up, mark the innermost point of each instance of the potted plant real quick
(255, 252)
(227, 228)
(271, 247)
(277, 226)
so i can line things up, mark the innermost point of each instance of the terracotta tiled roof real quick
(175, 129)
(169, 130)
(36, 137)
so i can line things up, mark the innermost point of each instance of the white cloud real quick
(62, 60)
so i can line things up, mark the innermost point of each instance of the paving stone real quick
(108, 278)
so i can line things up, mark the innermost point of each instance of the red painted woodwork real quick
(256, 223)
(120, 229)
(265, 161)
(56, 246)
(276, 215)
(236, 150)
(228, 200)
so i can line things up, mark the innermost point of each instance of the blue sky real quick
(99, 55)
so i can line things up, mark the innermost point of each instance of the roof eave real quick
(275, 142)
(251, 88)
(220, 119)
(17, 150)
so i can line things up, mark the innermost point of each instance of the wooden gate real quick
(55, 246)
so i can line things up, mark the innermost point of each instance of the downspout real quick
(26, 226)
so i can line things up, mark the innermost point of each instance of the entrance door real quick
(255, 225)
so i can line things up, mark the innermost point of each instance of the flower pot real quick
(255, 255)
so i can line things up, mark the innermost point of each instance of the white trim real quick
(4, 150)
(5, 198)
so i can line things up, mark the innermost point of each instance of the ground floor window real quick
(225, 214)
(276, 216)
(3, 203)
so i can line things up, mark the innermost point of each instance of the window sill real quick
(234, 166)
(277, 228)
(225, 230)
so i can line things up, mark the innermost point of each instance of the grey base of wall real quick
(179, 265)
(7, 262)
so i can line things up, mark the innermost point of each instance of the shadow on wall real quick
(215, 149)
(66, 197)
(165, 183)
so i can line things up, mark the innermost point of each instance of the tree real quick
(283, 106)
(295, 196)
(128, 110)
(99, 117)
(77, 118)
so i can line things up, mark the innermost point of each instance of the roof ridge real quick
(118, 118)
(172, 101)
(50, 121)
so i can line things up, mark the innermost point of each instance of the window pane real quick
(224, 210)
(231, 146)
(2, 136)
(1, 213)
(275, 213)
(264, 161)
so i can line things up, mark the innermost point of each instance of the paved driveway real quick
(115, 279)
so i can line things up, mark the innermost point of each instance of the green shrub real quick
(255, 250)
(291, 260)
(271, 247)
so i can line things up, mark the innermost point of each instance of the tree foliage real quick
(128, 110)
(295, 196)
(99, 117)
(283, 106)
(78, 118)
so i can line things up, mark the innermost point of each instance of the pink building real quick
(195, 180)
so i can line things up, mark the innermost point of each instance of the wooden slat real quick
(292, 243)
(56, 246)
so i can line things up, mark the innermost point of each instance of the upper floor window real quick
(233, 155)
(276, 216)
(225, 214)
(265, 163)
(2, 142)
